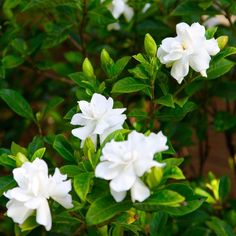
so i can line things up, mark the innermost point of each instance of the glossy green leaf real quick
(63, 147)
(17, 103)
(160, 199)
(6, 182)
(82, 184)
(104, 209)
(128, 85)
(12, 61)
(38, 154)
(166, 100)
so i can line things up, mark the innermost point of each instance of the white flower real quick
(119, 7)
(97, 118)
(34, 189)
(125, 162)
(189, 48)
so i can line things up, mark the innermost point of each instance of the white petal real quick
(180, 69)
(124, 181)
(141, 166)
(17, 211)
(197, 30)
(109, 131)
(84, 132)
(104, 170)
(85, 108)
(18, 194)
(182, 28)
(146, 7)
(212, 47)
(139, 191)
(118, 196)
(200, 62)
(128, 12)
(43, 214)
(117, 8)
(20, 177)
(113, 26)
(101, 126)
(77, 119)
(99, 105)
(157, 142)
(33, 203)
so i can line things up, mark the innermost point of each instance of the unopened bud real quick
(150, 45)
(222, 41)
(87, 67)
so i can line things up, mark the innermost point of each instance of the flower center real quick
(130, 156)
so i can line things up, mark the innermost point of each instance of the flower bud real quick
(105, 58)
(222, 41)
(20, 159)
(150, 45)
(154, 177)
(87, 67)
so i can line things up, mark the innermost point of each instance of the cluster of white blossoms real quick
(97, 118)
(34, 189)
(189, 48)
(125, 162)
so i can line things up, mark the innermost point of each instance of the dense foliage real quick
(57, 52)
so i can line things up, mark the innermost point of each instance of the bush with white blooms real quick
(103, 144)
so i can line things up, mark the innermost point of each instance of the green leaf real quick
(210, 32)
(175, 114)
(225, 53)
(119, 65)
(159, 199)
(72, 170)
(224, 121)
(220, 227)
(219, 68)
(63, 147)
(29, 224)
(128, 85)
(17, 103)
(12, 61)
(104, 209)
(20, 45)
(38, 153)
(140, 72)
(173, 173)
(166, 100)
(224, 187)
(83, 80)
(15, 148)
(6, 182)
(138, 113)
(6, 161)
(82, 184)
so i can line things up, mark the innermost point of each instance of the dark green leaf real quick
(82, 184)
(6, 182)
(12, 61)
(128, 85)
(63, 147)
(17, 103)
(104, 209)
(160, 199)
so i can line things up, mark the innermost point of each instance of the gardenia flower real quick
(119, 7)
(189, 48)
(34, 189)
(125, 162)
(97, 118)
